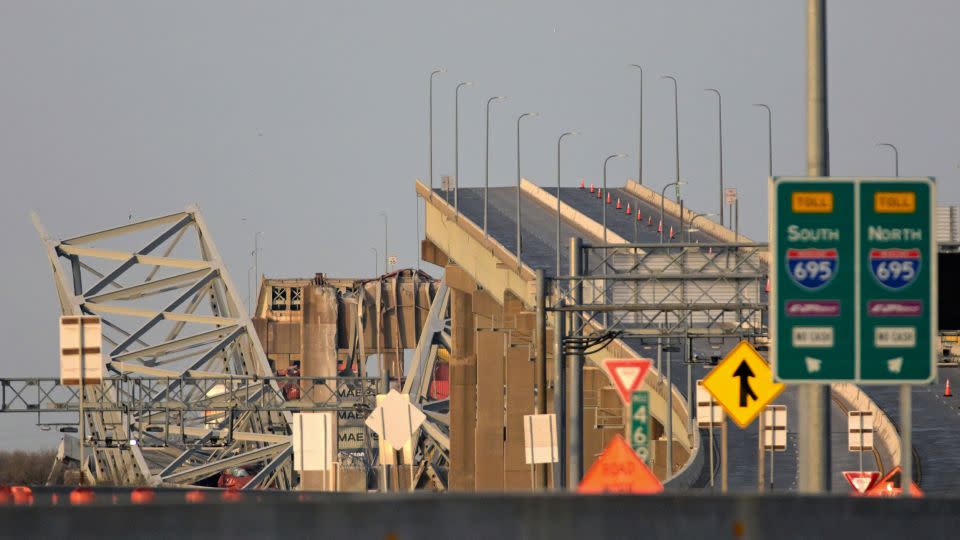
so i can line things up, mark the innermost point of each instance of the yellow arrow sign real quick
(743, 384)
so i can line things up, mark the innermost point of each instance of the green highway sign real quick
(853, 272)
(640, 424)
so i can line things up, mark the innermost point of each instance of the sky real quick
(304, 120)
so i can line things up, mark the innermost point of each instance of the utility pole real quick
(814, 399)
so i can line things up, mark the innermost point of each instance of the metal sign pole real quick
(906, 452)
(711, 443)
(761, 449)
(83, 420)
(861, 442)
(723, 455)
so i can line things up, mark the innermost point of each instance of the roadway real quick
(539, 243)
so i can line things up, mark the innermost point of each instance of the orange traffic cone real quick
(639, 217)
(946, 390)
(628, 209)
(649, 221)
(671, 232)
(581, 184)
(591, 187)
(608, 197)
(618, 204)
(599, 194)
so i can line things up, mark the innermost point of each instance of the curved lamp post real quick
(519, 245)
(640, 144)
(676, 130)
(486, 169)
(662, 196)
(896, 157)
(720, 134)
(456, 146)
(430, 129)
(560, 140)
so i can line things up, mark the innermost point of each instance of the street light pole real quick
(386, 264)
(430, 129)
(456, 146)
(662, 196)
(769, 137)
(560, 140)
(604, 206)
(519, 239)
(694, 218)
(640, 144)
(676, 130)
(896, 157)
(486, 169)
(720, 135)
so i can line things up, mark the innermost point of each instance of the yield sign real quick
(861, 481)
(743, 384)
(627, 374)
(619, 470)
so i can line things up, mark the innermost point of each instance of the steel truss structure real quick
(668, 290)
(177, 333)
(433, 444)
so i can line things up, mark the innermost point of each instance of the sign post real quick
(774, 428)
(853, 279)
(709, 415)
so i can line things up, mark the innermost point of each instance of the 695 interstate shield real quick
(812, 268)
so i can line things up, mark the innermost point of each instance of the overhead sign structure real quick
(540, 438)
(619, 470)
(314, 441)
(743, 384)
(395, 420)
(853, 279)
(81, 339)
(861, 481)
(640, 424)
(627, 374)
(775, 428)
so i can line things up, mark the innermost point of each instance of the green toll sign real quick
(853, 270)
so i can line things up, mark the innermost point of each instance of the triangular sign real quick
(890, 486)
(619, 470)
(627, 374)
(861, 481)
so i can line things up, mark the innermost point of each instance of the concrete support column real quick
(463, 392)
(319, 338)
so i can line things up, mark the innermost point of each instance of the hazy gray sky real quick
(307, 118)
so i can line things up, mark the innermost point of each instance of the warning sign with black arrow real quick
(743, 384)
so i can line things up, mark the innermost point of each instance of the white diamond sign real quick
(395, 420)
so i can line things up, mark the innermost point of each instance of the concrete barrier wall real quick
(499, 517)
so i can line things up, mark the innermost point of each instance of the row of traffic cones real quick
(628, 211)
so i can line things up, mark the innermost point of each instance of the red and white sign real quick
(619, 470)
(627, 374)
(861, 481)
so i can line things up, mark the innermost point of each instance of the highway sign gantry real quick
(853, 277)
(743, 384)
